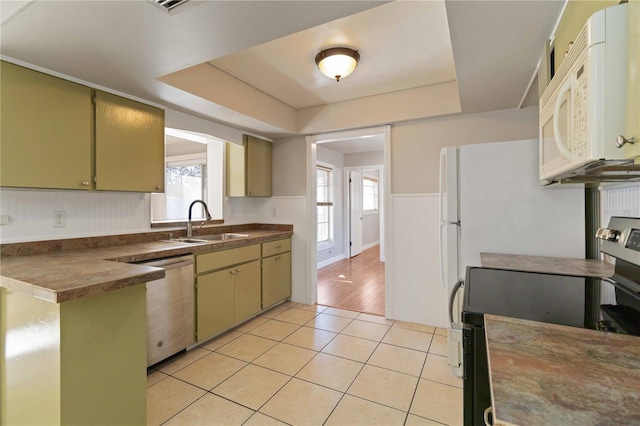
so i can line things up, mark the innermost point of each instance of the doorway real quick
(354, 277)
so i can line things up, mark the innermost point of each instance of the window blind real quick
(324, 195)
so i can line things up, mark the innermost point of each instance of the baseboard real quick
(373, 244)
(330, 261)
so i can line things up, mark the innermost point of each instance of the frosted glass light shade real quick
(337, 62)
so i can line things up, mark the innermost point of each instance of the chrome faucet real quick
(206, 210)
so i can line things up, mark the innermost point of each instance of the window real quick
(324, 201)
(185, 182)
(369, 194)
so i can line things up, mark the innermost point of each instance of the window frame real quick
(376, 194)
(184, 161)
(329, 203)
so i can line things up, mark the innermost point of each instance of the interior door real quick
(355, 213)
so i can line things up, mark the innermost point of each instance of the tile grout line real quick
(316, 353)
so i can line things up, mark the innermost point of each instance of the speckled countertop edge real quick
(551, 374)
(62, 275)
(552, 265)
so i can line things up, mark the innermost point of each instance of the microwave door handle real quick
(566, 153)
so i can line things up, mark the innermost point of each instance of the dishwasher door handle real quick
(167, 264)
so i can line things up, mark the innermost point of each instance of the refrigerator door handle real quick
(452, 298)
(443, 280)
(443, 160)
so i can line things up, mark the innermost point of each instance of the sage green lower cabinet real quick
(276, 272)
(80, 362)
(247, 290)
(276, 279)
(227, 289)
(214, 306)
(234, 285)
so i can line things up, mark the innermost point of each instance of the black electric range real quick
(611, 305)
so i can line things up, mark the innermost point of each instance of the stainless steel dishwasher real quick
(170, 308)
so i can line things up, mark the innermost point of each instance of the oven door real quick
(476, 388)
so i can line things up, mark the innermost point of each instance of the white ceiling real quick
(490, 48)
(393, 57)
(353, 146)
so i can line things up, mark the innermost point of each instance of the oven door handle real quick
(452, 298)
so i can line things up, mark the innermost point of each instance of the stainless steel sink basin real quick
(221, 237)
(207, 238)
(185, 240)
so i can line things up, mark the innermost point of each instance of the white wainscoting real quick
(88, 214)
(290, 210)
(417, 295)
(371, 245)
(623, 200)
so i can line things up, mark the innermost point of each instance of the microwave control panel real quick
(580, 118)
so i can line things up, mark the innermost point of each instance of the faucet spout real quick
(206, 211)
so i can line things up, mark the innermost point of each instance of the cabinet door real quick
(258, 166)
(214, 303)
(276, 279)
(247, 290)
(46, 130)
(129, 145)
(632, 128)
(235, 170)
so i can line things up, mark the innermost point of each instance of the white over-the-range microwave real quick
(582, 111)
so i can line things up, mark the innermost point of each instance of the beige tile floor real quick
(310, 365)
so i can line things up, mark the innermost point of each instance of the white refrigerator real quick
(491, 201)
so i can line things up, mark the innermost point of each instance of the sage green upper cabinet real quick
(55, 136)
(46, 131)
(129, 145)
(632, 127)
(248, 168)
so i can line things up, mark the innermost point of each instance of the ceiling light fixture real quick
(337, 62)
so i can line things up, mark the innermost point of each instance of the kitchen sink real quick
(207, 238)
(220, 237)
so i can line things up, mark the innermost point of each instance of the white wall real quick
(415, 146)
(372, 158)
(371, 220)
(336, 161)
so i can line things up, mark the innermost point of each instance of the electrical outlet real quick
(59, 219)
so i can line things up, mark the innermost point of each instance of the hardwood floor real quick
(356, 284)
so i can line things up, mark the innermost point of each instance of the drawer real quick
(275, 247)
(220, 259)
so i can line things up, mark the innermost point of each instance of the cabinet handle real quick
(158, 188)
(237, 271)
(231, 272)
(85, 183)
(622, 141)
